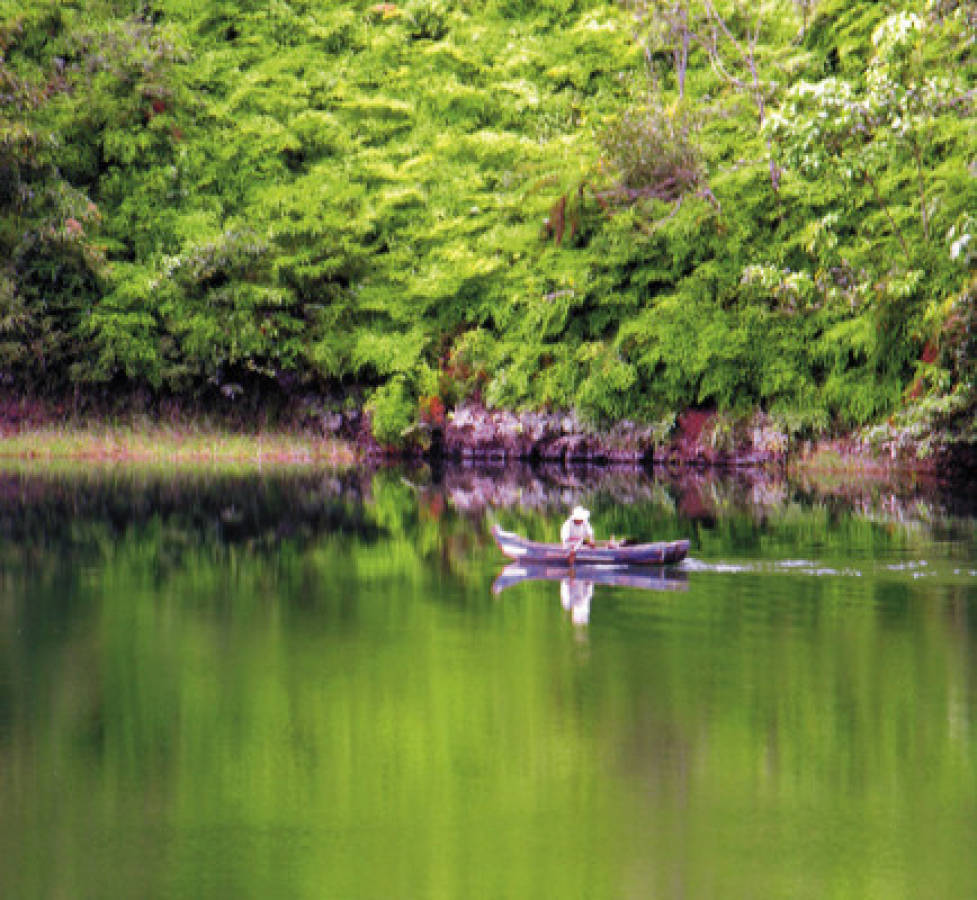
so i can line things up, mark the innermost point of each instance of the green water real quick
(303, 686)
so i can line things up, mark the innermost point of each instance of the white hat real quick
(580, 513)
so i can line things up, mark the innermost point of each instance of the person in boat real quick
(576, 531)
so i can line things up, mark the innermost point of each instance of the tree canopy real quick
(624, 208)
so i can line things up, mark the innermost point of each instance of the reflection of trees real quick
(696, 493)
(86, 509)
(51, 524)
(320, 657)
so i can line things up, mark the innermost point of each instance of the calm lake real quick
(303, 685)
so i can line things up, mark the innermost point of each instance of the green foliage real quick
(427, 19)
(604, 394)
(558, 203)
(392, 410)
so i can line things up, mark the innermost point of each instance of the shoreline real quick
(468, 435)
(162, 445)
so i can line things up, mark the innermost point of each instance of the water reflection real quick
(298, 684)
(577, 582)
(575, 597)
(260, 510)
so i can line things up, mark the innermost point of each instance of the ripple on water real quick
(915, 569)
(689, 564)
(779, 567)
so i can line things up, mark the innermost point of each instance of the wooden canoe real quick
(661, 553)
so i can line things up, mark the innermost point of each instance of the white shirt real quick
(571, 532)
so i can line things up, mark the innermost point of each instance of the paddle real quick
(573, 552)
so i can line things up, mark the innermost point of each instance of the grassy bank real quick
(155, 444)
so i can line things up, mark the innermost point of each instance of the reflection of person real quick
(576, 530)
(575, 596)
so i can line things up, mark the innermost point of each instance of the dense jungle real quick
(620, 209)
